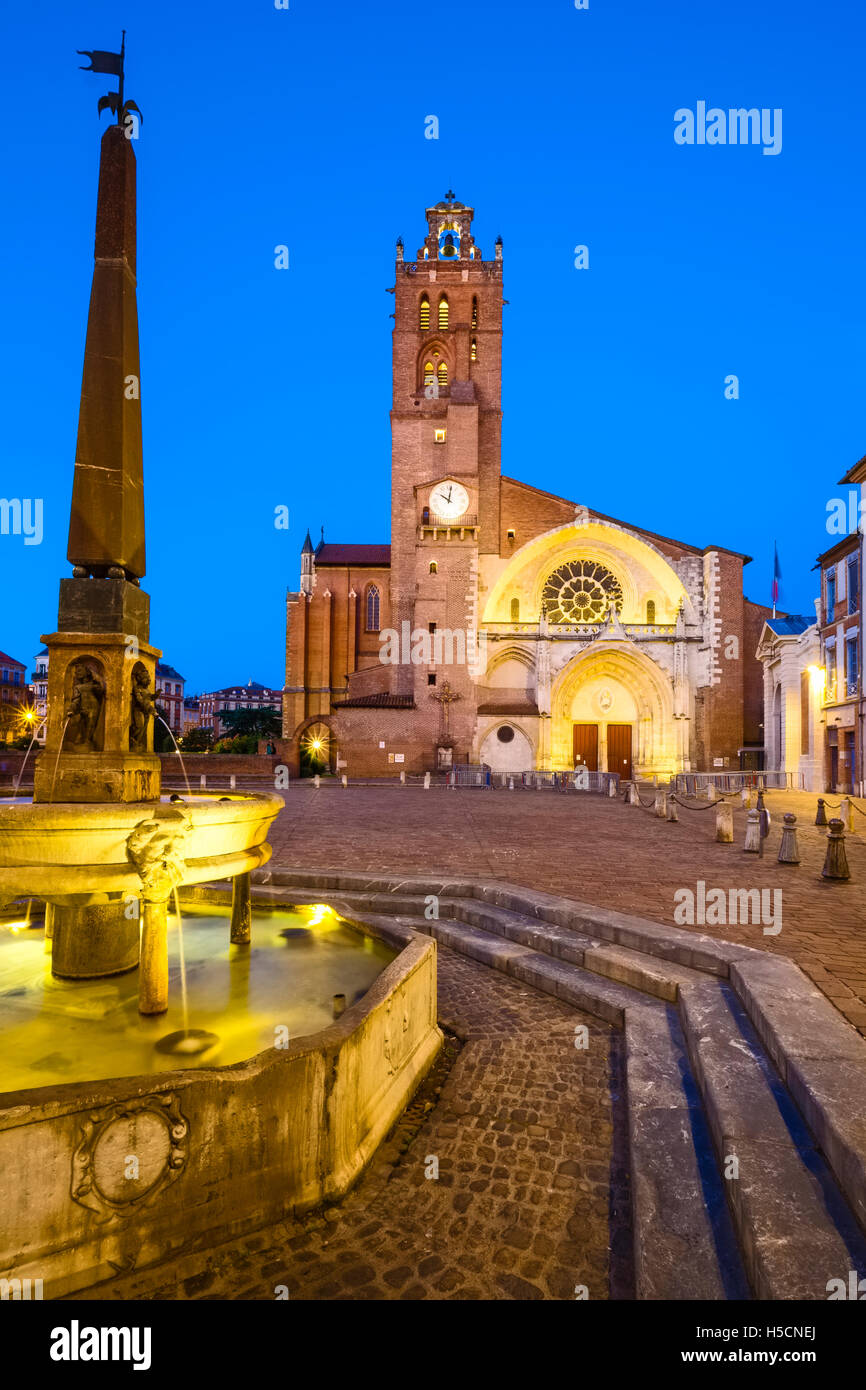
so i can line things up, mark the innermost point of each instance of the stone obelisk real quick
(99, 743)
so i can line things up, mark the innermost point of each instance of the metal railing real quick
(691, 783)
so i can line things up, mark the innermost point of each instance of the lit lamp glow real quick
(817, 677)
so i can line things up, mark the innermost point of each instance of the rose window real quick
(580, 592)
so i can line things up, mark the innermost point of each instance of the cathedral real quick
(504, 625)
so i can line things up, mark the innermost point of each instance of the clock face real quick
(449, 501)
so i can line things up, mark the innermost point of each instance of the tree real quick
(263, 723)
(197, 741)
(162, 740)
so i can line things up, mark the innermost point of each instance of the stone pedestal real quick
(93, 760)
(89, 942)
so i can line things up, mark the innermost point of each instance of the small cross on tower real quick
(449, 197)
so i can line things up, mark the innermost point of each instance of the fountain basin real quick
(76, 852)
(220, 1149)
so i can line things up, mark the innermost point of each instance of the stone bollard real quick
(317, 781)
(633, 798)
(655, 779)
(711, 791)
(611, 788)
(821, 816)
(660, 803)
(402, 779)
(753, 832)
(725, 823)
(233, 781)
(202, 781)
(345, 780)
(745, 798)
(511, 784)
(672, 810)
(835, 860)
(846, 814)
(789, 852)
(426, 781)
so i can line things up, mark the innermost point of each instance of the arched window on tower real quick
(515, 610)
(424, 314)
(434, 568)
(650, 611)
(428, 373)
(443, 312)
(475, 311)
(442, 374)
(373, 609)
(473, 350)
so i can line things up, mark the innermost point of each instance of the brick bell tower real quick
(446, 424)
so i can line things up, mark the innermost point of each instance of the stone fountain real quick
(98, 840)
(118, 1143)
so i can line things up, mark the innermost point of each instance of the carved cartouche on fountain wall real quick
(84, 731)
(142, 710)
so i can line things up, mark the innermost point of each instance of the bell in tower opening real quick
(449, 243)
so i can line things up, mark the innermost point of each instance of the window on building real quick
(831, 594)
(473, 350)
(431, 679)
(424, 314)
(443, 312)
(434, 568)
(373, 609)
(515, 610)
(853, 583)
(650, 610)
(425, 516)
(428, 373)
(805, 687)
(431, 627)
(830, 670)
(442, 374)
(475, 311)
(852, 665)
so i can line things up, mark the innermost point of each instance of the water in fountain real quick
(36, 733)
(54, 1031)
(178, 752)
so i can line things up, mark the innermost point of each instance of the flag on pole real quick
(777, 575)
(100, 61)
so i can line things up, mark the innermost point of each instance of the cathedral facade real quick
(504, 625)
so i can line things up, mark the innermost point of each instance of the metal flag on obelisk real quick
(103, 61)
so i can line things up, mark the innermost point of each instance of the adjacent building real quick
(813, 685)
(40, 693)
(253, 695)
(790, 651)
(14, 697)
(169, 695)
(504, 624)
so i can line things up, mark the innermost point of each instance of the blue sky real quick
(306, 127)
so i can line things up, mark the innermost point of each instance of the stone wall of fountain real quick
(220, 1150)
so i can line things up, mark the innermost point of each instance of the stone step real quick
(629, 967)
(684, 1242)
(794, 1227)
(701, 1086)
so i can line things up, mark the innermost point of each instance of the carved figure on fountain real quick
(142, 711)
(83, 709)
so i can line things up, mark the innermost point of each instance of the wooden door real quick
(619, 750)
(586, 745)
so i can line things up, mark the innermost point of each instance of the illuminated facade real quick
(504, 624)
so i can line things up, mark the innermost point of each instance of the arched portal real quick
(621, 704)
